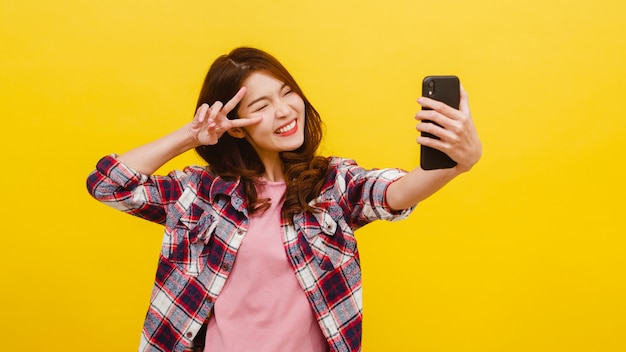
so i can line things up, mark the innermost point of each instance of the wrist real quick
(192, 137)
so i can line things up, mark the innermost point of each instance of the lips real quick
(287, 128)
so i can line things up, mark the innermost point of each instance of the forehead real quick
(260, 82)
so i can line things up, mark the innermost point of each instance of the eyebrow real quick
(264, 97)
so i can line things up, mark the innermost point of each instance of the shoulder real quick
(339, 162)
(348, 169)
(205, 181)
(340, 173)
(339, 166)
(195, 172)
(345, 174)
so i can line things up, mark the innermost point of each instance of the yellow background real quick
(524, 253)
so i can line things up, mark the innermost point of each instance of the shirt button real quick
(225, 267)
(240, 232)
(189, 334)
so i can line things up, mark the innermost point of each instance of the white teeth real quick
(287, 128)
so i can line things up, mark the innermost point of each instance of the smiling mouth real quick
(287, 128)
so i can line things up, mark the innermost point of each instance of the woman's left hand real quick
(458, 136)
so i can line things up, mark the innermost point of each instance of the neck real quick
(273, 169)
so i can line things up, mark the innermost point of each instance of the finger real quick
(435, 130)
(436, 117)
(201, 112)
(215, 109)
(438, 106)
(434, 143)
(232, 103)
(248, 121)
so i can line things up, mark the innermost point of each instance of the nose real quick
(282, 109)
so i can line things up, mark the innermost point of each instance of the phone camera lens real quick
(431, 88)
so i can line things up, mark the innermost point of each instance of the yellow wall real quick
(525, 253)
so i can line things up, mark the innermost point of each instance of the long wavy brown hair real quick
(305, 172)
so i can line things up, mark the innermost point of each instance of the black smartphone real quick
(446, 89)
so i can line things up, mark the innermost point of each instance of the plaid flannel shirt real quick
(205, 221)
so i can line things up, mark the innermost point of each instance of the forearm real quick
(417, 185)
(149, 157)
(456, 136)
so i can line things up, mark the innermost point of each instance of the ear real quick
(236, 132)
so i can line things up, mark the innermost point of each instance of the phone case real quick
(445, 89)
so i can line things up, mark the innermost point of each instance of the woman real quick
(259, 250)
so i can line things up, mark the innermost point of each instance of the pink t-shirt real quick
(262, 307)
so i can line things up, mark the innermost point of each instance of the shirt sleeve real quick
(362, 192)
(119, 186)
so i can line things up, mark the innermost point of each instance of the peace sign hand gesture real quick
(210, 122)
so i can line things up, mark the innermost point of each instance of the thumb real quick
(464, 102)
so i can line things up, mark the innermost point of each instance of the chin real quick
(295, 147)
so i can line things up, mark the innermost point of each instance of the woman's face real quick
(282, 110)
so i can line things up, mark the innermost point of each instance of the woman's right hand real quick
(210, 122)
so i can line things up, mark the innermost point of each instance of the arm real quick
(208, 125)
(458, 139)
(147, 158)
(126, 182)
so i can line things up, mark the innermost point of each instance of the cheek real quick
(261, 128)
(297, 102)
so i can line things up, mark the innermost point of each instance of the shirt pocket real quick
(187, 243)
(331, 240)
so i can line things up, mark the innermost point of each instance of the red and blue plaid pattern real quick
(205, 221)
